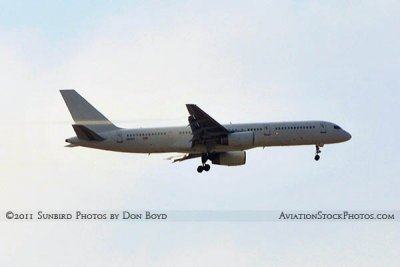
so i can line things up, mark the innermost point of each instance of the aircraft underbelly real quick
(184, 145)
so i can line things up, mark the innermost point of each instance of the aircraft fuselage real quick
(179, 139)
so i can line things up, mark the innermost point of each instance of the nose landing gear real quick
(317, 151)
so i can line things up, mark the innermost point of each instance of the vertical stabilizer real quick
(84, 113)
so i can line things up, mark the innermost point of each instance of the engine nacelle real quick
(233, 158)
(238, 139)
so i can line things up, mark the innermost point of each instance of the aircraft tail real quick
(86, 117)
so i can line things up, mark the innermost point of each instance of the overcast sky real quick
(139, 63)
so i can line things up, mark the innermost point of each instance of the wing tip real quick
(66, 90)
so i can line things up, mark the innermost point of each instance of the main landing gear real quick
(203, 166)
(317, 151)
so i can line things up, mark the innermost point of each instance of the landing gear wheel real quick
(206, 167)
(317, 151)
(200, 169)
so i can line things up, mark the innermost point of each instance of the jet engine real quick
(238, 139)
(233, 158)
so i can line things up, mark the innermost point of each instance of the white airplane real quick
(203, 138)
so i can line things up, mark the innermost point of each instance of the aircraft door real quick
(323, 128)
(267, 131)
(118, 138)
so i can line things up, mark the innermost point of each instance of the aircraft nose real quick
(348, 136)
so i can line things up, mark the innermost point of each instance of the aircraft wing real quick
(184, 157)
(206, 130)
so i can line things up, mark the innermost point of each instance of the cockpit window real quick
(337, 127)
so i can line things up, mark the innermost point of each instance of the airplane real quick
(203, 137)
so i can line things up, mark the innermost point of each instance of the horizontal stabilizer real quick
(71, 145)
(85, 133)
